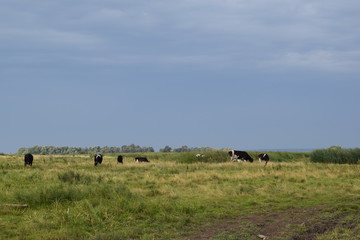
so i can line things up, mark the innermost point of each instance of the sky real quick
(247, 75)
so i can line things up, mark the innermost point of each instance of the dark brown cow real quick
(28, 159)
(120, 159)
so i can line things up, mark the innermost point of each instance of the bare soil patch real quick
(292, 224)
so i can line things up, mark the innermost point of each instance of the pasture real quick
(177, 196)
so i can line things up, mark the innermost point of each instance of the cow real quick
(264, 157)
(120, 159)
(28, 159)
(141, 159)
(237, 156)
(98, 159)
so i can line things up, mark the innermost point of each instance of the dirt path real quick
(294, 224)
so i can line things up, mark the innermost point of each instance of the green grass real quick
(168, 198)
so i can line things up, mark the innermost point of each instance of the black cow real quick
(28, 159)
(120, 159)
(264, 157)
(141, 159)
(98, 159)
(239, 156)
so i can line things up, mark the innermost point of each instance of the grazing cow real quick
(120, 159)
(28, 159)
(199, 155)
(98, 159)
(264, 157)
(141, 159)
(239, 156)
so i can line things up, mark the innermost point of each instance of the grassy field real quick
(176, 197)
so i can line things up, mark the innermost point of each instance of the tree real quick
(166, 149)
(182, 149)
(132, 148)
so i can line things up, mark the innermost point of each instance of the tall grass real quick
(336, 155)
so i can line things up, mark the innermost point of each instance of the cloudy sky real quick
(260, 74)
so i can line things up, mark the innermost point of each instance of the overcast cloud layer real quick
(317, 35)
(279, 73)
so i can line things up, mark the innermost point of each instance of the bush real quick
(336, 155)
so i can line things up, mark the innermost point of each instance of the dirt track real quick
(294, 224)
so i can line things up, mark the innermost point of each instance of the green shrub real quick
(336, 155)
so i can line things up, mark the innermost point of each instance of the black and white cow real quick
(120, 159)
(264, 157)
(141, 159)
(28, 159)
(237, 156)
(98, 159)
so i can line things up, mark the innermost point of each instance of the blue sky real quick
(247, 75)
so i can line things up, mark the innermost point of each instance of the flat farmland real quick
(67, 197)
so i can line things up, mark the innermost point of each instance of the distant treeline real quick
(336, 154)
(132, 148)
(48, 150)
(187, 149)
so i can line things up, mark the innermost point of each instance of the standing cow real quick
(141, 159)
(120, 159)
(98, 159)
(28, 159)
(264, 157)
(237, 156)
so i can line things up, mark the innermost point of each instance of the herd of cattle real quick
(98, 159)
(235, 156)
